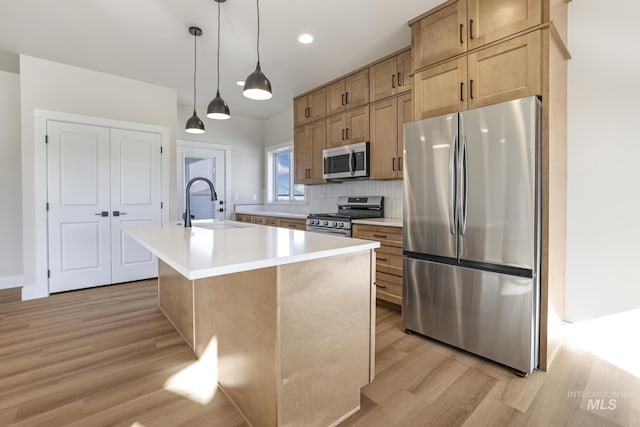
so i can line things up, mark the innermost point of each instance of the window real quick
(281, 165)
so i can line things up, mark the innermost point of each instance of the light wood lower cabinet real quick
(294, 223)
(499, 73)
(388, 259)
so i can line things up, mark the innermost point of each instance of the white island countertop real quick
(223, 247)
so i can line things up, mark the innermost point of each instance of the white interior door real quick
(79, 202)
(136, 194)
(207, 163)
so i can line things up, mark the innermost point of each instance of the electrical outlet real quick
(255, 197)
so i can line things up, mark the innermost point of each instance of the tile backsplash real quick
(324, 198)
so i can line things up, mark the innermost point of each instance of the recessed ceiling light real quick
(305, 38)
(240, 83)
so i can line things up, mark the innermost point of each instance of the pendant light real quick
(218, 109)
(257, 85)
(194, 124)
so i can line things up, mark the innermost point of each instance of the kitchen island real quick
(284, 318)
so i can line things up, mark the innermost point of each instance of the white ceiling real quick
(148, 40)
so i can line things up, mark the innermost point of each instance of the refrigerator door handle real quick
(465, 182)
(452, 185)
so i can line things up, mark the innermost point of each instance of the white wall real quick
(278, 129)
(603, 201)
(10, 189)
(244, 136)
(58, 87)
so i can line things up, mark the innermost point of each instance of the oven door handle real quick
(352, 162)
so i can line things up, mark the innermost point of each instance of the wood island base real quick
(292, 344)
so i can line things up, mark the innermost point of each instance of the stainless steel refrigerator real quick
(472, 231)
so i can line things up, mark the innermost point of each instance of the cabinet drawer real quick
(390, 236)
(296, 224)
(389, 290)
(388, 263)
(244, 218)
(272, 221)
(393, 250)
(260, 220)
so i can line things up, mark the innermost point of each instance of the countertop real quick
(271, 213)
(387, 222)
(230, 246)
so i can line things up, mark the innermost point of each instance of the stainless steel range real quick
(349, 208)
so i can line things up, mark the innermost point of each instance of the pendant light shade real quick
(194, 124)
(257, 85)
(218, 109)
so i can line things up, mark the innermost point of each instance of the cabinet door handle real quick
(346, 97)
(393, 81)
(393, 164)
(399, 163)
(471, 29)
(343, 103)
(103, 213)
(399, 80)
(380, 286)
(382, 259)
(347, 133)
(118, 213)
(461, 91)
(343, 134)
(471, 89)
(461, 33)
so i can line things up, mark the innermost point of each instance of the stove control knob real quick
(335, 224)
(312, 222)
(341, 225)
(325, 223)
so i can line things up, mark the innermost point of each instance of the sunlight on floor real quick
(612, 338)
(198, 381)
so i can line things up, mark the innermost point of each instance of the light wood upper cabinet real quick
(458, 27)
(347, 93)
(491, 20)
(387, 118)
(509, 70)
(308, 143)
(441, 89)
(310, 107)
(390, 77)
(348, 128)
(384, 139)
(439, 35)
(498, 73)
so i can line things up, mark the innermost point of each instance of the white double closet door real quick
(98, 178)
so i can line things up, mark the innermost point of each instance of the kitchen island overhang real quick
(288, 315)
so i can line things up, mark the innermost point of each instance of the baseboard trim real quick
(7, 282)
(32, 292)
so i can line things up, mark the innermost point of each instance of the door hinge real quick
(49, 273)
(161, 205)
(161, 150)
(47, 205)
(46, 139)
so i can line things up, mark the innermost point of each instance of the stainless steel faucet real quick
(214, 197)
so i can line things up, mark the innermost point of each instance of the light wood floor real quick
(102, 356)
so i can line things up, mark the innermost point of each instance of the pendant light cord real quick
(218, 86)
(258, 43)
(195, 63)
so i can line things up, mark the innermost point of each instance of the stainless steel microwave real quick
(349, 161)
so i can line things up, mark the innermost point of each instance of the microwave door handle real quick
(352, 165)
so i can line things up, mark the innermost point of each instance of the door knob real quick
(118, 213)
(103, 213)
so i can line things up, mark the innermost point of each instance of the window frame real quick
(271, 158)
